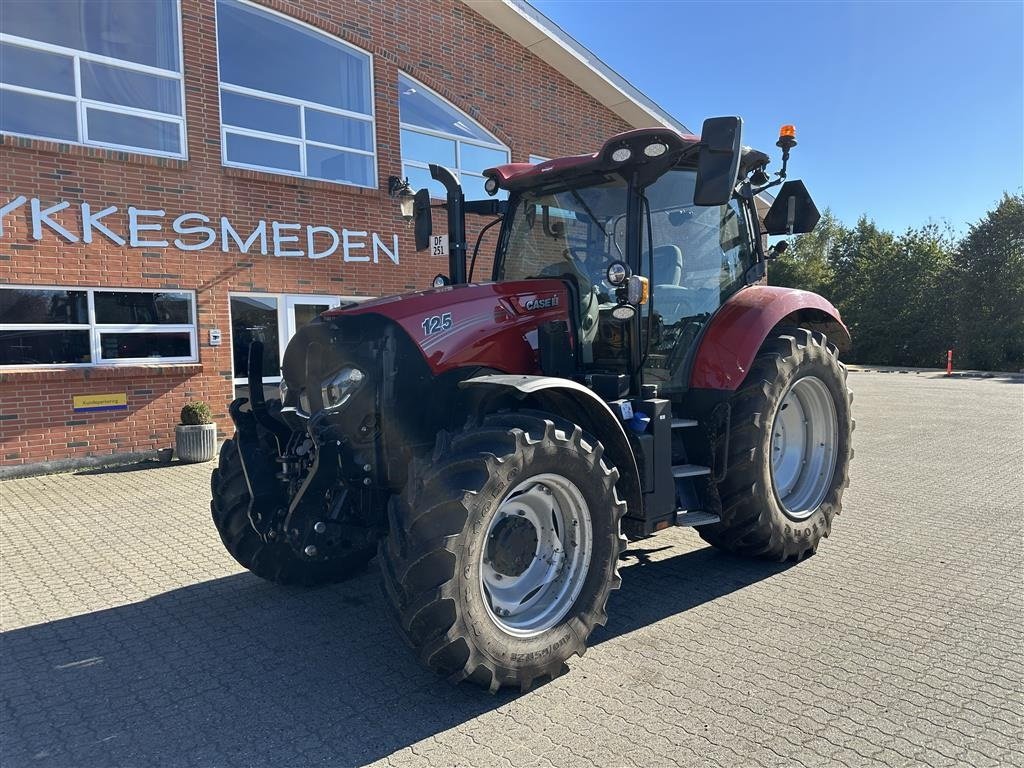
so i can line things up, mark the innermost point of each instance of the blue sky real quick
(908, 112)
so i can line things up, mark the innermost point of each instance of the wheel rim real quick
(536, 555)
(804, 445)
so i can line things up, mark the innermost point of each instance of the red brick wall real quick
(521, 100)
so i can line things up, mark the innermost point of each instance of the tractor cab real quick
(690, 260)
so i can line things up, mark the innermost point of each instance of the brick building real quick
(178, 177)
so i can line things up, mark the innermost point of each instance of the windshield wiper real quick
(590, 213)
(594, 219)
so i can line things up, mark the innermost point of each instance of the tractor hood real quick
(489, 325)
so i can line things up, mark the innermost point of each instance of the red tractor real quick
(495, 444)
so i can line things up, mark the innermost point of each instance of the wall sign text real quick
(198, 232)
(88, 403)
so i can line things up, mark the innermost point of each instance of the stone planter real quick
(195, 442)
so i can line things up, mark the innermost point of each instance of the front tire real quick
(789, 450)
(274, 561)
(503, 549)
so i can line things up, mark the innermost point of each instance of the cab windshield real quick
(567, 233)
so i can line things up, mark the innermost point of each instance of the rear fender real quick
(580, 405)
(730, 343)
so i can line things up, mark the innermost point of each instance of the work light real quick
(339, 388)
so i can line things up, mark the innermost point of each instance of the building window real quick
(293, 100)
(434, 131)
(90, 326)
(103, 73)
(538, 159)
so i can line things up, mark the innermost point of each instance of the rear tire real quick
(452, 529)
(781, 509)
(273, 561)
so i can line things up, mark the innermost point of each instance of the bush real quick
(196, 412)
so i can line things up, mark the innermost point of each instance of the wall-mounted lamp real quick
(398, 187)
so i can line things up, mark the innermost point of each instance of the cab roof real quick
(516, 176)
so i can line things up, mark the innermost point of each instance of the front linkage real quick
(292, 477)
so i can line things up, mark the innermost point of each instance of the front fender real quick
(738, 329)
(580, 405)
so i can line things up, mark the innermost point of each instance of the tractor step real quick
(681, 423)
(695, 518)
(690, 470)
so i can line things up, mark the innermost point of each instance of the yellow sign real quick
(115, 402)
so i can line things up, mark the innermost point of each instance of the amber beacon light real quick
(787, 137)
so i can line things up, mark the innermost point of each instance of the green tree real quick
(893, 295)
(987, 282)
(887, 288)
(806, 263)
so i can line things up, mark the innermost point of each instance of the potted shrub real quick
(195, 439)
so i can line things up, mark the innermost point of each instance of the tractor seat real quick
(668, 265)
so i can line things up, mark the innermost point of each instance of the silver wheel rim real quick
(804, 444)
(536, 555)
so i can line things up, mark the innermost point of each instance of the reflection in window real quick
(52, 326)
(254, 318)
(143, 308)
(433, 131)
(136, 346)
(36, 347)
(24, 306)
(97, 72)
(293, 100)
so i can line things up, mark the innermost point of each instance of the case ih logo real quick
(531, 304)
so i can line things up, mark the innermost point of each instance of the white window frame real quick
(459, 140)
(285, 313)
(82, 104)
(95, 329)
(301, 142)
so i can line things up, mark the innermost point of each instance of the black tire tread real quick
(748, 525)
(426, 609)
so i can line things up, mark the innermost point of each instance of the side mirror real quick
(423, 221)
(793, 212)
(718, 164)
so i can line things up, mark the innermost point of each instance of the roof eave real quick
(549, 42)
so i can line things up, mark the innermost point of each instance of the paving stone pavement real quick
(130, 638)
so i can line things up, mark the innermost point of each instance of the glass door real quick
(272, 319)
(302, 310)
(256, 318)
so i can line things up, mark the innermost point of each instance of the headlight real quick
(337, 390)
(655, 149)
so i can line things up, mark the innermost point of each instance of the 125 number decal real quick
(436, 323)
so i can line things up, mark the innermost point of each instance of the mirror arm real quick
(693, 149)
(780, 174)
(771, 184)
